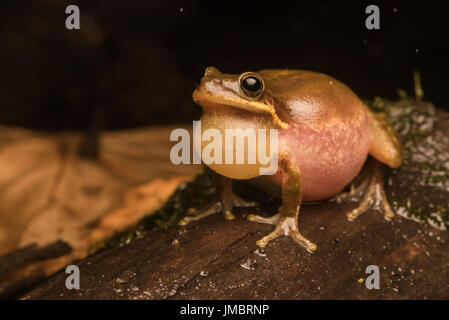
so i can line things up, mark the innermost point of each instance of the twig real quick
(418, 89)
(31, 254)
(11, 290)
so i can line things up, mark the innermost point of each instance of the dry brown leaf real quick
(47, 192)
(138, 203)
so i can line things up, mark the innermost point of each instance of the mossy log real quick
(219, 259)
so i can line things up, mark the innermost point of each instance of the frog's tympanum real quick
(325, 134)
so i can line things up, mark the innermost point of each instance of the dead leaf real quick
(47, 192)
(138, 203)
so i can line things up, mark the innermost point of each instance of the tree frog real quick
(326, 134)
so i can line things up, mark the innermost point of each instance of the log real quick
(219, 259)
(21, 257)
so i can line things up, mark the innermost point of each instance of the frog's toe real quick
(388, 212)
(373, 197)
(224, 203)
(229, 215)
(197, 214)
(354, 193)
(269, 220)
(239, 202)
(287, 227)
(382, 204)
(363, 206)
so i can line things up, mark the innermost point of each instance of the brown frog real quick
(325, 136)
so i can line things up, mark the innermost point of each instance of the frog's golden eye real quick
(251, 84)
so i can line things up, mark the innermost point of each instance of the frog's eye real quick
(251, 84)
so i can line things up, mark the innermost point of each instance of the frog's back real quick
(329, 132)
(311, 97)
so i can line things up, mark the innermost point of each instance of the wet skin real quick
(325, 136)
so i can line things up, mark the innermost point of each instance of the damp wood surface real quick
(219, 259)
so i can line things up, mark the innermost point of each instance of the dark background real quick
(135, 63)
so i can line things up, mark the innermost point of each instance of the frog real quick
(326, 136)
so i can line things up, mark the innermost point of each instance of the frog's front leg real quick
(225, 200)
(287, 218)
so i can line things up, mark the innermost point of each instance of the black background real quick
(135, 63)
(278, 308)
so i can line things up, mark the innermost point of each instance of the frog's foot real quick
(287, 226)
(370, 194)
(224, 204)
(274, 219)
(354, 193)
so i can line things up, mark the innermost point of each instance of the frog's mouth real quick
(206, 99)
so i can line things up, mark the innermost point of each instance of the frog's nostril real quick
(211, 71)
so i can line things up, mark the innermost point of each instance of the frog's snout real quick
(211, 71)
(209, 74)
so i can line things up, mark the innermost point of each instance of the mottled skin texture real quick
(325, 136)
(328, 134)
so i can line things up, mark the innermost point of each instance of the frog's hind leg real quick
(355, 191)
(386, 149)
(225, 200)
(370, 193)
(386, 146)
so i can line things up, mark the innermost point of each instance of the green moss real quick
(418, 212)
(195, 194)
(413, 120)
